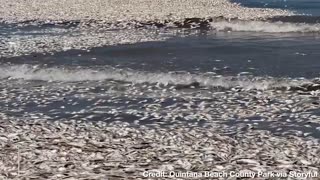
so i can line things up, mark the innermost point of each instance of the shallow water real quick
(227, 54)
(309, 7)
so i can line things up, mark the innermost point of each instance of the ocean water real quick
(219, 53)
(308, 7)
(197, 76)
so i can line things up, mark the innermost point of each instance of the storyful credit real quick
(240, 174)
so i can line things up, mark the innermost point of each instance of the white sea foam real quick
(27, 72)
(268, 27)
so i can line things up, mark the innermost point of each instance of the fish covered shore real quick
(84, 96)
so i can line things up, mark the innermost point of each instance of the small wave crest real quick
(31, 73)
(278, 24)
(265, 26)
(272, 25)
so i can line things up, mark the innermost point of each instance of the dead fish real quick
(193, 85)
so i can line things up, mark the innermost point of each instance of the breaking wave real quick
(32, 73)
(276, 24)
(294, 24)
(264, 26)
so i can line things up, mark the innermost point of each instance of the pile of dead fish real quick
(36, 149)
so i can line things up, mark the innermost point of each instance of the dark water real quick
(310, 7)
(227, 54)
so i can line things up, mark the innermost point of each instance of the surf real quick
(181, 80)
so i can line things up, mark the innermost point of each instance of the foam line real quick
(27, 72)
(264, 26)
